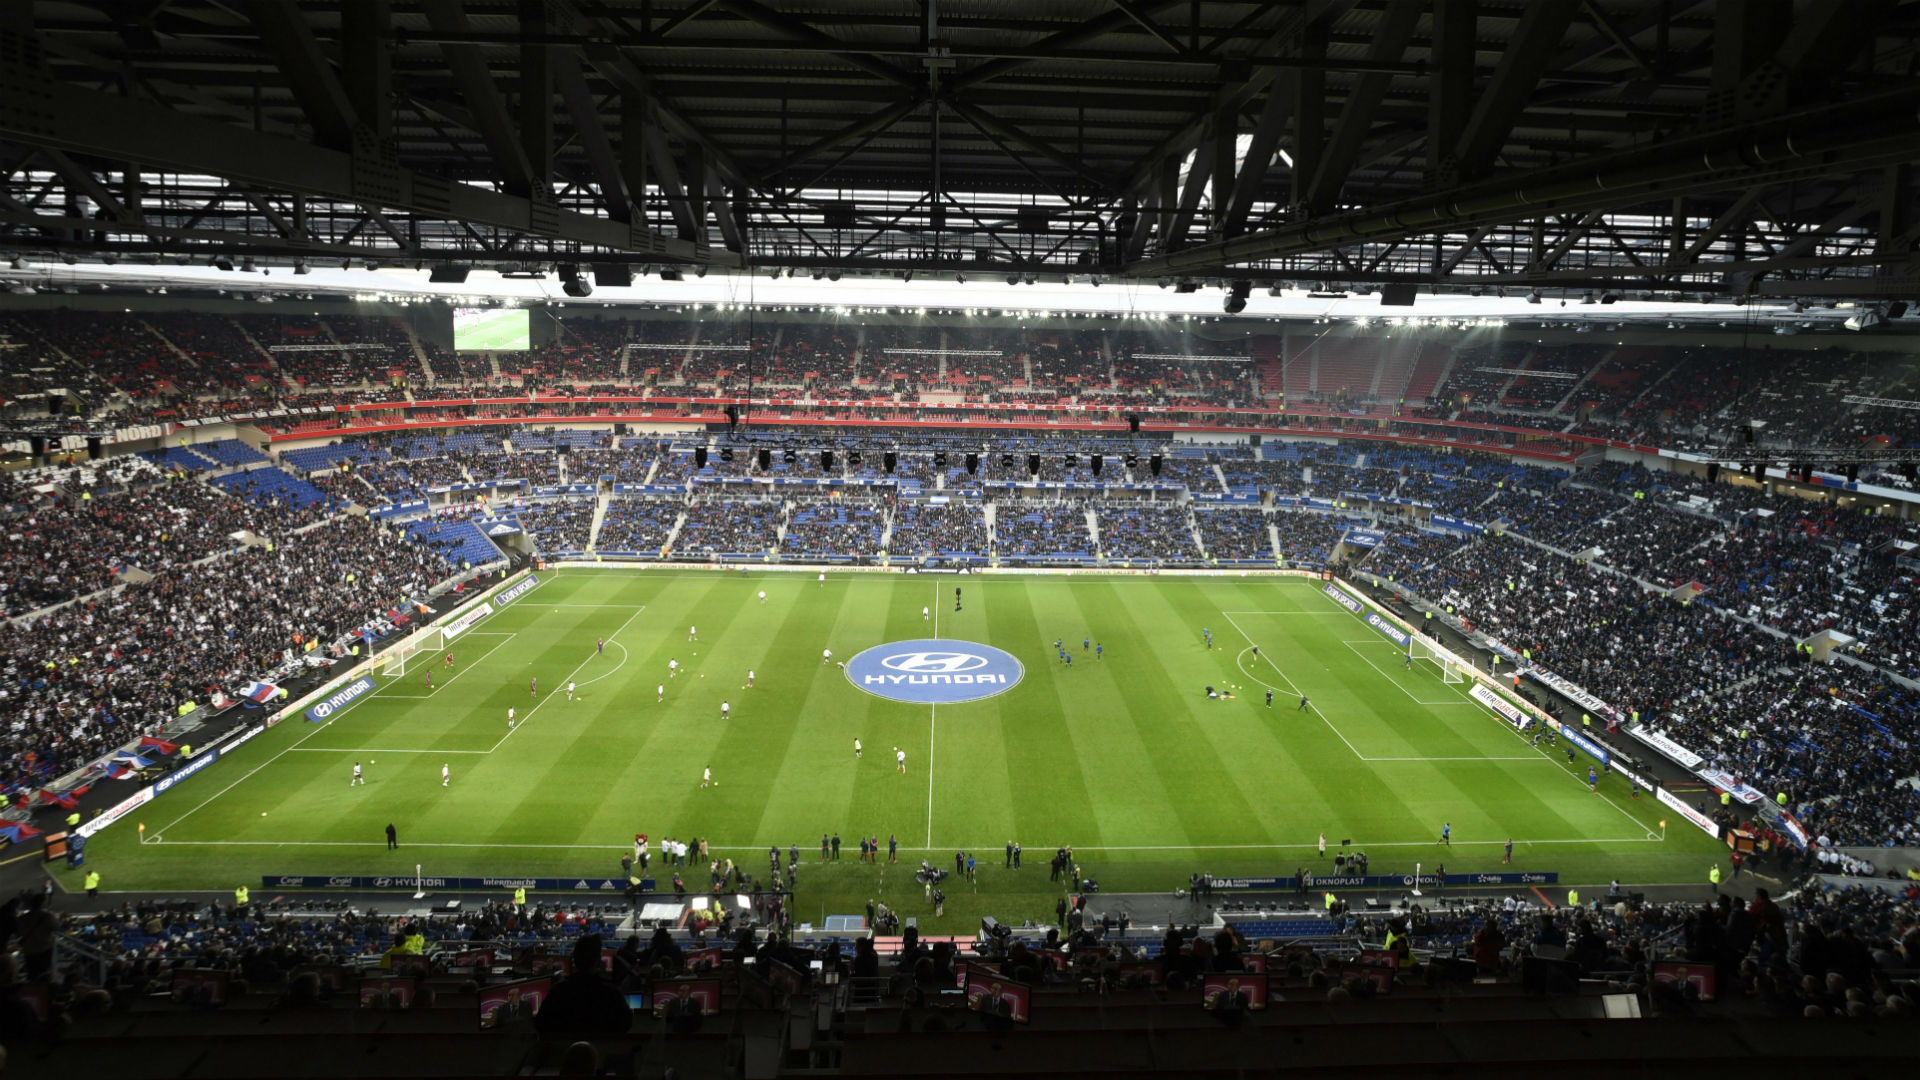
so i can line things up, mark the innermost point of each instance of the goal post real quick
(1451, 669)
(416, 648)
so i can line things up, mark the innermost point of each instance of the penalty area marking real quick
(318, 728)
(1240, 663)
(551, 694)
(1456, 700)
(461, 670)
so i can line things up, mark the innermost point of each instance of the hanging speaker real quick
(1713, 471)
(726, 454)
(973, 463)
(1006, 462)
(1133, 461)
(1097, 459)
(853, 458)
(699, 457)
(766, 459)
(38, 443)
(1806, 474)
(1070, 461)
(1033, 464)
(1154, 464)
(826, 461)
(1133, 424)
(789, 455)
(940, 459)
(889, 460)
(93, 447)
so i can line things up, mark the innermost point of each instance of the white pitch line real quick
(317, 729)
(624, 656)
(1609, 800)
(365, 750)
(617, 845)
(1387, 675)
(552, 693)
(933, 716)
(1287, 611)
(508, 635)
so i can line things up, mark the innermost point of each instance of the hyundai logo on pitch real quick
(934, 672)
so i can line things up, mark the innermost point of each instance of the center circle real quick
(929, 671)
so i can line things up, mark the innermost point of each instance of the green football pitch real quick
(492, 331)
(1124, 757)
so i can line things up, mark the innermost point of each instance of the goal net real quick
(1451, 670)
(419, 647)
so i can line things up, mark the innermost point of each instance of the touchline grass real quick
(1123, 757)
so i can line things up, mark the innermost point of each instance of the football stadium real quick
(744, 539)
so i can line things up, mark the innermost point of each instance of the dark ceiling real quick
(1698, 146)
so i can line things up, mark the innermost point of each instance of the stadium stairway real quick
(419, 353)
(1273, 539)
(1093, 532)
(673, 534)
(272, 361)
(1221, 476)
(185, 360)
(600, 502)
(1575, 388)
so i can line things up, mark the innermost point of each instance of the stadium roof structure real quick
(1698, 147)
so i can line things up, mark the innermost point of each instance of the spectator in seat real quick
(584, 1003)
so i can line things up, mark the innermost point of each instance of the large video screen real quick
(491, 329)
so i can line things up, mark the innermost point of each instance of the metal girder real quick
(1356, 117)
(994, 126)
(1136, 244)
(274, 217)
(1174, 232)
(666, 172)
(82, 121)
(322, 97)
(859, 130)
(1539, 30)
(1153, 29)
(1472, 242)
(366, 61)
(1718, 227)
(470, 73)
(627, 77)
(81, 177)
(536, 94)
(1261, 149)
(1620, 39)
(585, 115)
(1235, 93)
(1825, 141)
(1450, 90)
(1805, 240)
(1097, 26)
(780, 22)
(690, 13)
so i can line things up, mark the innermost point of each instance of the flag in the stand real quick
(262, 692)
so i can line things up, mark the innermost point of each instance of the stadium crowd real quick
(90, 676)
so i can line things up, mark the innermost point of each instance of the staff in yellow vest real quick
(240, 896)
